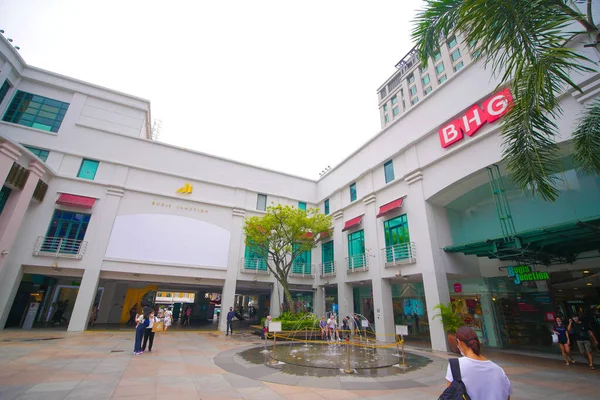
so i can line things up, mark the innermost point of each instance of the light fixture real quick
(574, 288)
(589, 284)
(586, 271)
(4, 252)
(560, 290)
(493, 299)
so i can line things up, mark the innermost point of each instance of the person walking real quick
(265, 330)
(132, 315)
(483, 379)
(186, 316)
(583, 334)
(149, 332)
(230, 316)
(168, 319)
(142, 322)
(563, 340)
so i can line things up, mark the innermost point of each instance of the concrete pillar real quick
(429, 258)
(340, 248)
(9, 284)
(383, 309)
(345, 299)
(276, 300)
(9, 153)
(319, 301)
(85, 300)
(14, 211)
(233, 264)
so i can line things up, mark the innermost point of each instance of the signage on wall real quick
(523, 273)
(178, 207)
(492, 109)
(185, 189)
(457, 288)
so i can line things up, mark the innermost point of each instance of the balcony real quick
(302, 270)
(327, 269)
(59, 247)
(398, 254)
(254, 266)
(357, 263)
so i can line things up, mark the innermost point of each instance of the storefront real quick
(410, 308)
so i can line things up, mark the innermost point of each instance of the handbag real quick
(554, 338)
(158, 327)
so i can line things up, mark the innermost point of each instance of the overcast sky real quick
(287, 85)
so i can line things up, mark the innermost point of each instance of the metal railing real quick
(254, 266)
(358, 262)
(327, 269)
(397, 254)
(302, 270)
(59, 247)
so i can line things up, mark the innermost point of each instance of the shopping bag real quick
(158, 327)
(554, 338)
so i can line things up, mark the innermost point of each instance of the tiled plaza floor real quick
(99, 365)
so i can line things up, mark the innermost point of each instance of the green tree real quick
(282, 235)
(535, 46)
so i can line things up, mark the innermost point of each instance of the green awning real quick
(547, 245)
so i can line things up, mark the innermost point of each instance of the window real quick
(437, 56)
(428, 90)
(253, 260)
(66, 225)
(36, 111)
(412, 90)
(414, 101)
(302, 206)
(302, 263)
(394, 99)
(452, 42)
(353, 192)
(442, 79)
(423, 68)
(327, 258)
(41, 154)
(439, 68)
(261, 202)
(388, 170)
(4, 193)
(455, 55)
(458, 66)
(326, 207)
(396, 238)
(411, 78)
(385, 107)
(88, 169)
(396, 111)
(4, 90)
(356, 250)
(387, 118)
(425, 80)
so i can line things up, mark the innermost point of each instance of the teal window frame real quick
(412, 90)
(302, 206)
(385, 107)
(4, 195)
(66, 225)
(425, 79)
(88, 169)
(452, 42)
(261, 202)
(40, 153)
(414, 101)
(394, 99)
(397, 237)
(442, 79)
(395, 111)
(423, 68)
(455, 55)
(458, 66)
(439, 70)
(437, 56)
(427, 90)
(253, 260)
(36, 112)
(411, 78)
(4, 90)
(356, 249)
(353, 192)
(326, 206)
(388, 171)
(387, 118)
(327, 258)
(302, 263)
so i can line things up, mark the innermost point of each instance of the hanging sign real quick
(523, 273)
(457, 288)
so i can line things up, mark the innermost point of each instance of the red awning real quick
(354, 222)
(389, 207)
(72, 200)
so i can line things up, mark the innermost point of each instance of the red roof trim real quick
(72, 200)
(389, 207)
(352, 223)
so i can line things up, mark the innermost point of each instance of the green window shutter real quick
(326, 207)
(356, 249)
(396, 236)
(88, 169)
(353, 192)
(327, 257)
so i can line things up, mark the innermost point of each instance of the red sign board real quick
(492, 109)
(457, 288)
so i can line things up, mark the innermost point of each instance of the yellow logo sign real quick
(185, 189)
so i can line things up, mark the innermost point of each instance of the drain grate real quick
(117, 351)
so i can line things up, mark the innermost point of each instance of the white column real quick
(8, 155)
(100, 228)
(9, 284)
(319, 301)
(276, 300)
(345, 299)
(233, 265)
(339, 246)
(435, 281)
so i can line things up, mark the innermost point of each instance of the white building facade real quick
(118, 215)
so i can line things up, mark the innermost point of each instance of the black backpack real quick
(457, 389)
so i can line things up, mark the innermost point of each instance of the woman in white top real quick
(483, 379)
(168, 319)
(149, 333)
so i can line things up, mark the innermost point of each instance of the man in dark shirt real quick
(230, 316)
(583, 334)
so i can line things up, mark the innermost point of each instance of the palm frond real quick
(587, 140)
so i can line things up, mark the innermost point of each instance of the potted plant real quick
(451, 320)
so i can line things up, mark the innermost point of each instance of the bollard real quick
(403, 360)
(348, 370)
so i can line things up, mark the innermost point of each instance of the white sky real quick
(287, 85)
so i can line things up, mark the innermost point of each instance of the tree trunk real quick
(288, 296)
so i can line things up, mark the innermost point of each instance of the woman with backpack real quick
(473, 373)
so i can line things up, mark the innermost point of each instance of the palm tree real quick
(536, 46)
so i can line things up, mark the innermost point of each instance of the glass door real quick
(396, 238)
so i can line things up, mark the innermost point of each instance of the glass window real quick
(41, 154)
(452, 42)
(353, 192)
(385, 107)
(261, 202)
(388, 170)
(66, 225)
(425, 79)
(423, 68)
(302, 263)
(442, 79)
(326, 207)
(327, 258)
(253, 260)
(396, 111)
(36, 111)
(455, 55)
(394, 99)
(439, 68)
(88, 169)
(396, 237)
(387, 118)
(356, 249)
(4, 89)
(414, 101)
(4, 193)
(428, 90)
(411, 78)
(302, 206)
(403, 104)
(458, 66)
(413, 90)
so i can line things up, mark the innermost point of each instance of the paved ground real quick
(185, 365)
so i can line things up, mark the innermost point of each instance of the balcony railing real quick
(59, 247)
(302, 270)
(327, 269)
(254, 266)
(358, 262)
(397, 254)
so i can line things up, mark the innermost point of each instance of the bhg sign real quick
(492, 109)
